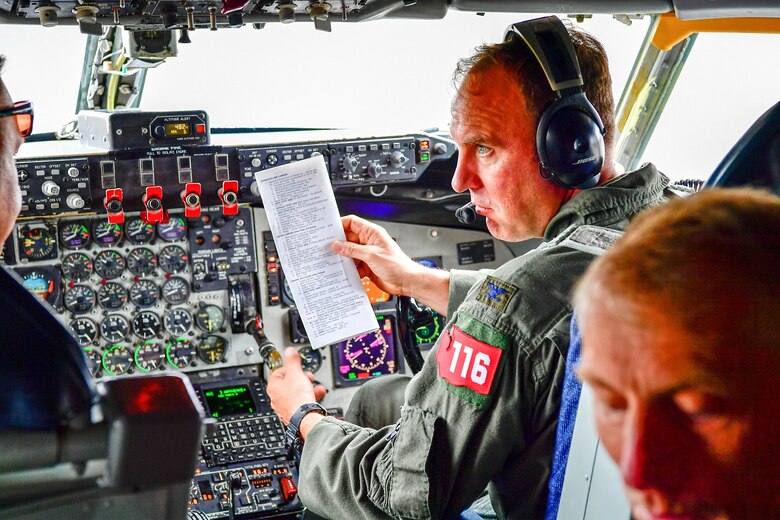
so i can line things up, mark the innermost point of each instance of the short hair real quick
(709, 261)
(517, 59)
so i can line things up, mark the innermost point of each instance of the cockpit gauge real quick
(212, 349)
(141, 262)
(117, 360)
(112, 296)
(43, 282)
(427, 335)
(176, 290)
(172, 259)
(177, 321)
(74, 235)
(287, 295)
(37, 242)
(210, 318)
(148, 356)
(85, 331)
(173, 230)
(366, 352)
(104, 233)
(80, 299)
(94, 359)
(180, 352)
(77, 267)
(146, 325)
(109, 265)
(144, 293)
(114, 328)
(311, 359)
(139, 232)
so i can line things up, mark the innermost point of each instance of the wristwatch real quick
(293, 432)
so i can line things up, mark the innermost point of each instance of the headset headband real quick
(549, 40)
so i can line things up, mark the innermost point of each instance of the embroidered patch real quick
(592, 239)
(496, 293)
(467, 362)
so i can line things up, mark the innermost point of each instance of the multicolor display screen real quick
(225, 401)
(366, 356)
(175, 129)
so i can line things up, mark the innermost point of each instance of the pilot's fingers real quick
(319, 391)
(365, 231)
(310, 376)
(352, 250)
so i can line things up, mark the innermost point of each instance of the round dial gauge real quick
(212, 349)
(85, 331)
(148, 356)
(311, 359)
(144, 293)
(288, 292)
(37, 243)
(80, 299)
(117, 360)
(112, 296)
(114, 328)
(109, 265)
(77, 266)
(210, 318)
(146, 325)
(173, 230)
(74, 235)
(428, 334)
(177, 321)
(180, 353)
(42, 283)
(93, 360)
(176, 290)
(138, 231)
(172, 259)
(104, 233)
(142, 262)
(366, 352)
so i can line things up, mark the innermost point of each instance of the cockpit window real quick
(384, 75)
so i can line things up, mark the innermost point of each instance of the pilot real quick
(484, 408)
(10, 141)
(681, 345)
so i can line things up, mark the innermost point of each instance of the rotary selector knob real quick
(74, 201)
(375, 170)
(350, 163)
(398, 159)
(50, 189)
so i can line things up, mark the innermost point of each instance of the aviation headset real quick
(570, 135)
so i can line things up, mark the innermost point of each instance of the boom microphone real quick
(466, 214)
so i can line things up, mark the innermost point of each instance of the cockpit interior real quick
(143, 231)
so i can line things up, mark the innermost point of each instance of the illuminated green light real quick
(425, 157)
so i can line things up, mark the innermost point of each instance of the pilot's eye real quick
(483, 150)
(610, 406)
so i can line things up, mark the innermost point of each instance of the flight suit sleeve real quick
(438, 457)
(461, 282)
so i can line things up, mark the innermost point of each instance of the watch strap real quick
(293, 432)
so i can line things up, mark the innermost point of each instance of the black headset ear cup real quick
(571, 145)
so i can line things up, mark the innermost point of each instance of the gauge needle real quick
(376, 342)
(353, 356)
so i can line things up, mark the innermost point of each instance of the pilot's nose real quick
(465, 176)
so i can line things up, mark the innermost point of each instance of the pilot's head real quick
(681, 344)
(501, 95)
(10, 141)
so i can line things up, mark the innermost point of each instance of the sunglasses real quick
(22, 111)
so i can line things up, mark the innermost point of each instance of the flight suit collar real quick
(610, 202)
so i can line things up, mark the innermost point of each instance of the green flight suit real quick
(452, 440)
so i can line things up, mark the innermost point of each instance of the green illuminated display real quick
(229, 400)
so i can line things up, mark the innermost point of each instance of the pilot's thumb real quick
(349, 249)
(292, 359)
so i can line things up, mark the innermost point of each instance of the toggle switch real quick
(228, 194)
(191, 198)
(152, 200)
(113, 204)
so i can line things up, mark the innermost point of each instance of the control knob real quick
(74, 201)
(375, 170)
(50, 189)
(398, 159)
(350, 163)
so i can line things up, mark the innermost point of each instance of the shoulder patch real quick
(464, 361)
(496, 293)
(592, 239)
